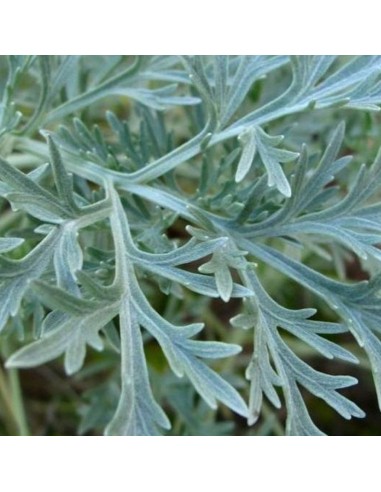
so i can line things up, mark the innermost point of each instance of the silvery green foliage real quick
(94, 204)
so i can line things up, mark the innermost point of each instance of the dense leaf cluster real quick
(126, 180)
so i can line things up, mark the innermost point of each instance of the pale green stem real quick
(18, 403)
(6, 406)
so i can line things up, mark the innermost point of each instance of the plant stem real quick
(12, 395)
(6, 405)
(18, 403)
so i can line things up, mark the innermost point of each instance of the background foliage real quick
(187, 245)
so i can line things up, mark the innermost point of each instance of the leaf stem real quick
(18, 403)
(6, 406)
